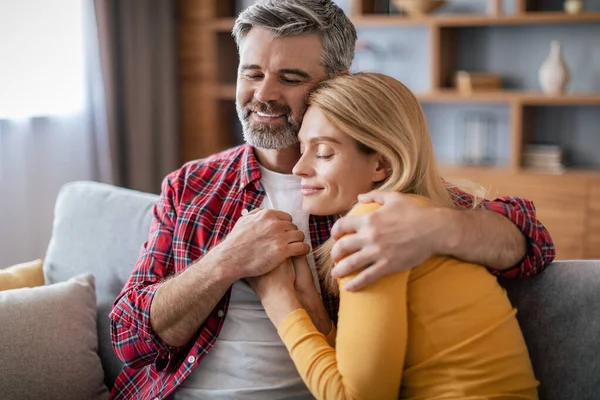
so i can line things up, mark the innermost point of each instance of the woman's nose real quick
(302, 168)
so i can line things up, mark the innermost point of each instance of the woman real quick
(444, 329)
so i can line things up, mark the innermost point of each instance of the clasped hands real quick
(398, 236)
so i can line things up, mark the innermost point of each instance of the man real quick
(187, 325)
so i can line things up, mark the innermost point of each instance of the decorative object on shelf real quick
(554, 74)
(469, 82)
(544, 158)
(478, 139)
(417, 8)
(573, 6)
(495, 7)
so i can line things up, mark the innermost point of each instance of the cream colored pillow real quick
(29, 274)
(49, 342)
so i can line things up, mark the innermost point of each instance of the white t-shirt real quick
(249, 361)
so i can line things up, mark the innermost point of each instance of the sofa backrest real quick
(559, 314)
(100, 228)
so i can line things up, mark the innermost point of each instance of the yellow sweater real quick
(442, 330)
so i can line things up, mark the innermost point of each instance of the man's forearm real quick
(483, 237)
(182, 303)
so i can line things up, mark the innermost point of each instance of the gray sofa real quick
(99, 228)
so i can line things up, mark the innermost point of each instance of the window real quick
(41, 58)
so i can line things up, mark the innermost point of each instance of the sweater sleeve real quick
(368, 359)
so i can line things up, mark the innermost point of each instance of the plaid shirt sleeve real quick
(133, 339)
(540, 249)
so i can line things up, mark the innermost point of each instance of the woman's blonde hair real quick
(383, 116)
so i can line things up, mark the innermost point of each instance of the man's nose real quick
(267, 91)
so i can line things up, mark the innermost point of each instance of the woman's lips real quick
(310, 190)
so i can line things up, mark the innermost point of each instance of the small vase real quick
(573, 6)
(554, 74)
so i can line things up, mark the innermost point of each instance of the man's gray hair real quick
(297, 17)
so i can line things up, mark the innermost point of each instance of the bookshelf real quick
(568, 204)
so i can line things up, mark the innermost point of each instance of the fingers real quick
(346, 225)
(366, 277)
(287, 226)
(298, 249)
(278, 214)
(351, 264)
(346, 246)
(294, 236)
(379, 196)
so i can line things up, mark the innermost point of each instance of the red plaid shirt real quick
(199, 205)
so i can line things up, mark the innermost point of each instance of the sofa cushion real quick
(29, 274)
(53, 342)
(559, 315)
(99, 229)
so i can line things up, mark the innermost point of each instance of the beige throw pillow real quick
(48, 342)
(29, 274)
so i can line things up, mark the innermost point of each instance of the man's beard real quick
(268, 136)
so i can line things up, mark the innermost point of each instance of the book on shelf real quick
(544, 158)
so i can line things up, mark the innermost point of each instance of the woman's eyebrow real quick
(324, 139)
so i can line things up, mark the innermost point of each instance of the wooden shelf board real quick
(532, 98)
(569, 172)
(505, 96)
(224, 91)
(465, 20)
(501, 170)
(222, 24)
(449, 21)
(386, 20)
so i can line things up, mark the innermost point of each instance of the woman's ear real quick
(382, 169)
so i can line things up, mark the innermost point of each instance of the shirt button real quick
(245, 211)
(191, 359)
(220, 313)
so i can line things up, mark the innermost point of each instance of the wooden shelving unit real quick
(467, 20)
(452, 21)
(568, 204)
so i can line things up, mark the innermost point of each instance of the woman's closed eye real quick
(324, 152)
(324, 156)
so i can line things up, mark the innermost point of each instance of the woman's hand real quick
(308, 295)
(304, 282)
(280, 279)
(276, 291)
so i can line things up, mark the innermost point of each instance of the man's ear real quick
(382, 169)
(345, 72)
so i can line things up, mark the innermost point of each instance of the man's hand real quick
(259, 242)
(400, 235)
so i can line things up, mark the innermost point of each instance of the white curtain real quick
(52, 116)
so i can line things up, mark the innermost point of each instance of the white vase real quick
(573, 6)
(554, 74)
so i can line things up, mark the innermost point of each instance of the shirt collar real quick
(250, 169)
